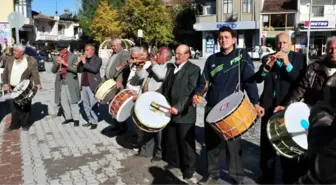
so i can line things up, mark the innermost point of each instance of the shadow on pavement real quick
(251, 153)
(38, 112)
(162, 176)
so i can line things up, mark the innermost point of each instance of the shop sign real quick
(231, 25)
(316, 24)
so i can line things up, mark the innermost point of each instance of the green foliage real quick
(88, 11)
(105, 23)
(151, 16)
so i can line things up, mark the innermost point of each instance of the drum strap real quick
(146, 84)
(239, 72)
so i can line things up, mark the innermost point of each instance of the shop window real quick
(247, 6)
(227, 8)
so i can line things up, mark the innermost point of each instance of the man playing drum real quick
(90, 80)
(67, 90)
(220, 76)
(152, 81)
(316, 86)
(20, 67)
(178, 87)
(279, 72)
(118, 68)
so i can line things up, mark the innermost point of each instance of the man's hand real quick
(119, 84)
(38, 86)
(260, 110)
(135, 98)
(283, 56)
(6, 87)
(279, 108)
(173, 111)
(83, 59)
(197, 99)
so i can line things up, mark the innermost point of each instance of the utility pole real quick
(308, 31)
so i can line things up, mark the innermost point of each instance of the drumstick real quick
(158, 106)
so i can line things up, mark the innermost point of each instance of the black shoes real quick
(76, 123)
(93, 126)
(87, 124)
(155, 159)
(187, 176)
(67, 121)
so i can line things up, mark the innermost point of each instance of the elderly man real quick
(152, 79)
(20, 67)
(67, 90)
(178, 88)
(91, 64)
(117, 66)
(279, 72)
(320, 158)
(138, 60)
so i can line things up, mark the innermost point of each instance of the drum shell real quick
(119, 100)
(27, 95)
(142, 126)
(238, 122)
(280, 138)
(106, 91)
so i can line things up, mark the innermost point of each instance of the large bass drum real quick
(287, 130)
(151, 112)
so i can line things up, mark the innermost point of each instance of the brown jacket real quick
(30, 73)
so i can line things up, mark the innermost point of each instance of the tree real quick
(88, 10)
(151, 16)
(105, 23)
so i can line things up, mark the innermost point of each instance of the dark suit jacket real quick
(30, 73)
(92, 67)
(182, 91)
(279, 80)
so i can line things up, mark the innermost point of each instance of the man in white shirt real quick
(153, 78)
(18, 68)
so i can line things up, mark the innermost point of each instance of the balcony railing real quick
(43, 36)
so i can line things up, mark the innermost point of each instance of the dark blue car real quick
(39, 58)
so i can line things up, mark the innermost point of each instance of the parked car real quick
(255, 53)
(40, 59)
(195, 54)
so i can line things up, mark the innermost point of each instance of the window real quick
(227, 8)
(318, 11)
(247, 6)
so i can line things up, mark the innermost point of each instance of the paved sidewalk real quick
(52, 153)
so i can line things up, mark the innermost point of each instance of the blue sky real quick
(48, 7)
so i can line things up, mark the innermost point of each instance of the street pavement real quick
(52, 153)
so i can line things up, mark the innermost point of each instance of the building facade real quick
(7, 6)
(241, 15)
(322, 25)
(278, 16)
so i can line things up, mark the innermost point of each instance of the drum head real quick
(225, 107)
(18, 90)
(296, 120)
(149, 116)
(125, 110)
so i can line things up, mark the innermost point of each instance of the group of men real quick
(285, 75)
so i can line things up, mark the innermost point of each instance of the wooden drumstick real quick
(158, 106)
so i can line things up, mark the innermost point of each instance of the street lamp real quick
(308, 31)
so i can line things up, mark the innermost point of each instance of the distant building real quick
(241, 15)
